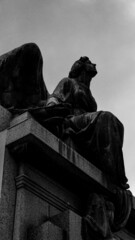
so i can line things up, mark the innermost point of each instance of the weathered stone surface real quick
(30, 210)
(47, 231)
(8, 198)
(19, 119)
(44, 187)
(70, 222)
(3, 136)
(5, 117)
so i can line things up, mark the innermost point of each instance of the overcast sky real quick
(103, 30)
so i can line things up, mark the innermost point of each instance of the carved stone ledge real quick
(27, 130)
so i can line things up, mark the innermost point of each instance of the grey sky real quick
(103, 30)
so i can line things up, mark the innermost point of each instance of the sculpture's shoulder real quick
(64, 84)
(66, 80)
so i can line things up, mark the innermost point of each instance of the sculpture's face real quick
(90, 68)
(81, 65)
(86, 65)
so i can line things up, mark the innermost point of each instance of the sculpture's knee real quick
(113, 123)
(110, 116)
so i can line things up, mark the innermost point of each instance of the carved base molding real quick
(23, 181)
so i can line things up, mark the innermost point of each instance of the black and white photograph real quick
(67, 119)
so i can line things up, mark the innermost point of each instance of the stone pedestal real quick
(66, 225)
(44, 184)
(47, 231)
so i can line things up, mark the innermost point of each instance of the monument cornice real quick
(23, 181)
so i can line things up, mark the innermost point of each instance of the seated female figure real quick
(97, 135)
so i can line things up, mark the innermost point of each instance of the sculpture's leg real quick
(21, 80)
(99, 137)
(109, 141)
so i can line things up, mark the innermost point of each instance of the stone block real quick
(20, 118)
(70, 222)
(47, 231)
(5, 117)
(30, 211)
(8, 172)
(3, 136)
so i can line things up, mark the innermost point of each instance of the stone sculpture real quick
(105, 216)
(21, 80)
(97, 135)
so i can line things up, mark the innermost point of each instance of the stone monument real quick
(62, 172)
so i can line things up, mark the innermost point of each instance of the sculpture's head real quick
(81, 65)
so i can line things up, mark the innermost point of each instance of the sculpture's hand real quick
(51, 101)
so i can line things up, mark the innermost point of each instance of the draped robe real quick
(97, 135)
